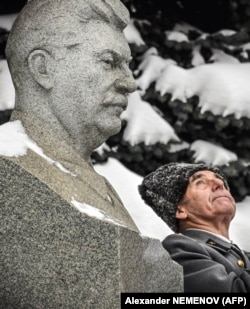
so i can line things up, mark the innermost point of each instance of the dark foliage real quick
(210, 16)
(11, 6)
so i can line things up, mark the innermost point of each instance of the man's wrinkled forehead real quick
(205, 174)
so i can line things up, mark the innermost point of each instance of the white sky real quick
(222, 87)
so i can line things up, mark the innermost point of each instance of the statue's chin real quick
(114, 126)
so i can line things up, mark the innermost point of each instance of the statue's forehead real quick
(66, 29)
(44, 13)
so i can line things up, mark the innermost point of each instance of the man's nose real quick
(217, 183)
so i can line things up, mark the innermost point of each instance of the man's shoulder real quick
(195, 241)
(177, 239)
(181, 244)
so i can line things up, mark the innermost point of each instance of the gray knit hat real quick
(163, 189)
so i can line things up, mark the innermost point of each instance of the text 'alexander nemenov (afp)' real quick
(165, 299)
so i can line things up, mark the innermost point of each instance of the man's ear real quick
(181, 213)
(38, 62)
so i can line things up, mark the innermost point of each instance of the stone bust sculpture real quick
(69, 62)
(67, 241)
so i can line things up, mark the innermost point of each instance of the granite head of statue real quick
(69, 62)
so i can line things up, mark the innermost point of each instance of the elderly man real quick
(196, 203)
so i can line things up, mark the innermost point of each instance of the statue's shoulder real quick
(12, 173)
(9, 167)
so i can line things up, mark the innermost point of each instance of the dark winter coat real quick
(209, 263)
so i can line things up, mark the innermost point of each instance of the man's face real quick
(91, 85)
(206, 198)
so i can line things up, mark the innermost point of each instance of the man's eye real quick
(200, 182)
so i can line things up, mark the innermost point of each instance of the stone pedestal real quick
(54, 256)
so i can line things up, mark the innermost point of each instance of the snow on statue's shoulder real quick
(14, 142)
(94, 212)
(13, 139)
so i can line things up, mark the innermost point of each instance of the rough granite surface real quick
(54, 256)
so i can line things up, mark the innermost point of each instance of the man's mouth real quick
(223, 196)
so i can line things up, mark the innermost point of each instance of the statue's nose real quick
(126, 84)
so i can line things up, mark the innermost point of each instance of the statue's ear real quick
(38, 62)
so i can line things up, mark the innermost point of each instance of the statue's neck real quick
(51, 137)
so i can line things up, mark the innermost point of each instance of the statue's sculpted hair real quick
(56, 23)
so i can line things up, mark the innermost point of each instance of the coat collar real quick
(209, 238)
(218, 243)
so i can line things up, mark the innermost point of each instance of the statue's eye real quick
(109, 63)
